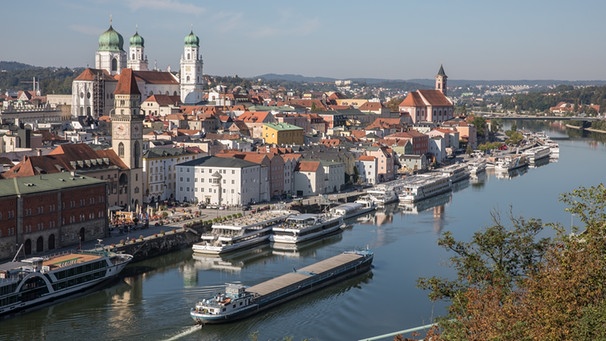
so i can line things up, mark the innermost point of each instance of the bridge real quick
(504, 116)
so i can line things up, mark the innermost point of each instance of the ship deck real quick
(69, 259)
(285, 280)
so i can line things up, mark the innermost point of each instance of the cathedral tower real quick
(191, 71)
(137, 60)
(441, 79)
(127, 134)
(110, 55)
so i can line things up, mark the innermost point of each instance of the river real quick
(153, 301)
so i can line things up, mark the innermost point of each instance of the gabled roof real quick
(127, 84)
(435, 98)
(89, 75)
(413, 99)
(156, 77)
(164, 100)
(307, 166)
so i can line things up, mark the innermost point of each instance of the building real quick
(366, 166)
(283, 134)
(429, 105)
(191, 70)
(50, 211)
(221, 181)
(127, 135)
(159, 163)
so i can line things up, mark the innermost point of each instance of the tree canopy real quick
(512, 284)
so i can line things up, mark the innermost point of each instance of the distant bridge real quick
(534, 117)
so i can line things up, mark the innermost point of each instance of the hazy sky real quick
(400, 39)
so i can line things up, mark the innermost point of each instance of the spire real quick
(441, 72)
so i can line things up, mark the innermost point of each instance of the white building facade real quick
(221, 181)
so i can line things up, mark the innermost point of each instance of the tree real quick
(554, 288)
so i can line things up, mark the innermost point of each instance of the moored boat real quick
(537, 153)
(32, 282)
(306, 226)
(239, 233)
(354, 209)
(239, 301)
(510, 163)
(456, 172)
(423, 186)
(476, 166)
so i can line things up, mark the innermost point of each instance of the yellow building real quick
(283, 133)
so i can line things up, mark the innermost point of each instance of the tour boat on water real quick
(239, 301)
(476, 166)
(382, 195)
(537, 153)
(239, 233)
(306, 226)
(32, 282)
(423, 186)
(456, 172)
(512, 162)
(354, 209)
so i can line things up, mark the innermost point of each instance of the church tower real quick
(137, 60)
(191, 71)
(441, 79)
(110, 55)
(127, 134)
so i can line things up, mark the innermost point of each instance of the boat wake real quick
(187, 331)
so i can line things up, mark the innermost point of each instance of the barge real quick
(239, 301)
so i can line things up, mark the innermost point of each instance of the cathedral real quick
(93, 90)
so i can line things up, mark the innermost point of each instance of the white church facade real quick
(93, 90)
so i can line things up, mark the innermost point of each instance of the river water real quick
(153, 301)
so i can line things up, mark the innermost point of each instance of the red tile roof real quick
(308, 166)
(127, 84)
(156, 77)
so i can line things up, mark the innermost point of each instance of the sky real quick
(399, 39)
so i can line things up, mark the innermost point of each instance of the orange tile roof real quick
(89, 75)
(156, 77)
(435, 98)
(413, 99)
(366, 158)
(308, 166)
(127, 84)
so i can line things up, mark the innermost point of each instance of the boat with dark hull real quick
(239, 301)
(33, 282)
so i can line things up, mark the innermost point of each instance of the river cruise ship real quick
(382, 195)
(240, 233)
(476, 166)
(423, 186)
(455, 173)
(354, 209)
(537, 153)
(239, 301)
(306, 226)
(32, 282)
(510, 163)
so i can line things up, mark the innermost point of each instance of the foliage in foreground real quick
(512, 285)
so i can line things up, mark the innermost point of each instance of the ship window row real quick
(8, 289)
(81, 269)
(79, 280)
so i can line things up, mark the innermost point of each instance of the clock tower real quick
(191, 70)
(127, 135)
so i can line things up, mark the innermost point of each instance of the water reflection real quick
(478, 180)
(231, 262)
(423, 205)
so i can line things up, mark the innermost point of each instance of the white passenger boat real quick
(423, 205)
(476, 166)
(423, 186)
(382, 195)
(32, 282)
(456, 172)
(306, 226)
(354, 209)
(537, 153)
(509, 163)
(240, 233)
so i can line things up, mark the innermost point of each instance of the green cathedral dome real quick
(111, 40)
(192, 40)
(137, 40)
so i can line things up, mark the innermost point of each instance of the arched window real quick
(121, 149)
(114, 64)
